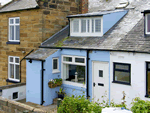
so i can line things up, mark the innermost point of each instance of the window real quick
(74, 69)
(13, 68)
(55, 65)
(14, 29)
(87, 26)
(147, 79)
(122, 73)
(15, 95)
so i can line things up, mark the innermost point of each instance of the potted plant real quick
(52, 83)
(61, 93)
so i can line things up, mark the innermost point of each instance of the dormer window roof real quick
(94, 24)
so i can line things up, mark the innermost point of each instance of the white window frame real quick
(73, 63)
(14, 24)
(90, 33)
(55, 70)
(17, 80)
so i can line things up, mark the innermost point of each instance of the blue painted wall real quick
(50, 93)
(33, 81)
(110, 20)
(96, 56)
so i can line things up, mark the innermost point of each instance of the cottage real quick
(98, 53)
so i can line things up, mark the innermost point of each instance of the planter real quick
(61, 96)
(51, 85)
(59, 83)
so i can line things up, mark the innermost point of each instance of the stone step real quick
(55, 101)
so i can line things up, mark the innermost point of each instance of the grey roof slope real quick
(41, 54)
(19, 5)
(100, 13)
(115, 38)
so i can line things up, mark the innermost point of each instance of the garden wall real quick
(10, 106)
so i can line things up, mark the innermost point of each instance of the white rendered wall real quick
(138, 76)
(8, 93)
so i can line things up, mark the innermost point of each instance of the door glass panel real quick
(12, 71)
(17, 71)
(100, 73)
(122, 76)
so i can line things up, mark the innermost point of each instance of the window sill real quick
(74, 84)
(56, 71)
(12, 81)
(12, 42)
(123, 83)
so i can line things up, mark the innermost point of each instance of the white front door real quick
(100, 81)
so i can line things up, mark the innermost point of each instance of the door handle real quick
(94, 84)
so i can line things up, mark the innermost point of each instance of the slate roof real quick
(41, 54)
(127, 34)
(19, 5)
(100, 13)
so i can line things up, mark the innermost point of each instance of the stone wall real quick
(36, 25)
(10, 106)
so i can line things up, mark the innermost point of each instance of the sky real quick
(4, 1)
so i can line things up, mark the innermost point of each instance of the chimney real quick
(83, 6)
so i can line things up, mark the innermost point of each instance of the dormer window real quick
(86, 26)
(147, 26)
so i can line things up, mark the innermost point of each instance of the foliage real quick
(55, 82)
(78, 104)
(61, 91)
(60, 43)
(140, 106)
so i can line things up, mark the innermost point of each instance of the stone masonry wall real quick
(36, 25)
(30, 38)
(10, 106)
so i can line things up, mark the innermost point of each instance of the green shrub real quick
(140, 106)
(78, 104)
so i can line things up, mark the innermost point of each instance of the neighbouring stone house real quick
(24, 25)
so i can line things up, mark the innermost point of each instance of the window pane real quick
(76, 26)
(16, 60)
(88, 22)
(17, 71)
(122, 76)
(68, 59)
(83, 25)
(148, 23)
(11, 59)
(98, 25)
(11, 21)
(11, 71)
(17, 21)
(148, 65)
(79, 60)
(74, 73)
(123, 67)
(17, 32)
(55, 66)
(92, 25)
(11, 32)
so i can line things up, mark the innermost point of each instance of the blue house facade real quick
(84, 68)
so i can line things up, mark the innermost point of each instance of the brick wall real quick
(10, 106)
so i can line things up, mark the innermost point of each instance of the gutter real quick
(22, 60)
(87, 71)
(94, 49)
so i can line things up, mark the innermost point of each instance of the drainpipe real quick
(69, 27)
(42, 83)
(87, 71)
(22, 60)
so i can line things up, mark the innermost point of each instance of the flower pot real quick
(61, 96)
(51, 85)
